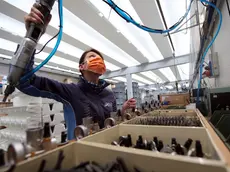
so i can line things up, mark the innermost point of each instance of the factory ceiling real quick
(92, 24)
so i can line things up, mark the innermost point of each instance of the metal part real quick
(80, 132)
(128, 116)
(34, 138)
(109, 122)
(16, 152)
(138, 113)
(167, 62)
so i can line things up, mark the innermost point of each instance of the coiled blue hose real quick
(129, 19)
(210, 44)
(28, 75)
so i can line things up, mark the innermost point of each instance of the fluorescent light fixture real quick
(5, 56)
(147, 46)
(140, 79)
(169, 87)
(79, 30)
(9, 24)
(167, 72)
(57, 60)
(184, 71)
(58, 68)
(101, 15)
(11, 46)
(122, 79)
(8, 45)
(152, 76)
(110, 80)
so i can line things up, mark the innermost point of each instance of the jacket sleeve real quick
(47, 88)
(44, 87)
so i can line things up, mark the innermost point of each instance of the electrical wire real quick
(29, 74)
(210, 44)
(129, 19)
(47, 43)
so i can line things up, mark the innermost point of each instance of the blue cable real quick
(124, 15)
(210, 44)
(28, 75)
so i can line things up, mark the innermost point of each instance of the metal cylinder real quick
(16, 152)
(80, 132)
(109, 122)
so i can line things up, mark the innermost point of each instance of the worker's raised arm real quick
(41, 86)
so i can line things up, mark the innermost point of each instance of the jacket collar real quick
(89, 86)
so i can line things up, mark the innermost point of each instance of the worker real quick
(89, 97)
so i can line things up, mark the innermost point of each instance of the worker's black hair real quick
(82, 59)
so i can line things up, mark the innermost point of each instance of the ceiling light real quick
(147, 47)
(122, 79)
(101, 15)
(140, 79)
(5, 56)
(81, 31)
(169, 87)
(152, 76)
(58, 68)
(167, 72)
(11, 46)
(8, 24)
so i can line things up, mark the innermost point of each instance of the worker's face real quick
(82, 67)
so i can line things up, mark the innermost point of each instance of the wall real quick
(221, 46)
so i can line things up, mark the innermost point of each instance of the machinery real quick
(26, 48)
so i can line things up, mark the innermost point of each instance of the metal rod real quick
(165, 24)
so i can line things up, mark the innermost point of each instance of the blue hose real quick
(29, 74)
(210, 44)
(129, 19)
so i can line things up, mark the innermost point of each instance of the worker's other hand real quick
(131, 103)
(37, 17)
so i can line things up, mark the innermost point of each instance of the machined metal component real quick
(34, 138)
(109, 122)
(138, 113)
(16, 152)
(80, 132)
(128, 116)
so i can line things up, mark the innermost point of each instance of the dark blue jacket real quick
(80, 100)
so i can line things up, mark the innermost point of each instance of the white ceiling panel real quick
(92, 24)
(150, 16)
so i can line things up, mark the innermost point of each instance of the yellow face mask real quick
(96, 65)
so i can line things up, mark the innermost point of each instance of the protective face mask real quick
(96, 65)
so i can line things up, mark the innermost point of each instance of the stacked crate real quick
(120, 94)
(136, 94)
(100, 149)
(16, 118)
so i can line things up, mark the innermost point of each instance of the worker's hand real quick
(37, 17)
(131, 103)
